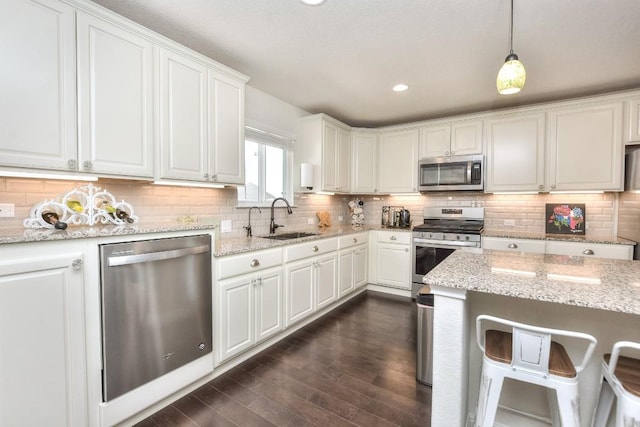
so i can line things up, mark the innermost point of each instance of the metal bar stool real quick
(621, 381)
(528, 354)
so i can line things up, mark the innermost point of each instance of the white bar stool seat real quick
(620, 381)
(528, 354)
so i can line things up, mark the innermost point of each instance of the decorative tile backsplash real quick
(161, 204)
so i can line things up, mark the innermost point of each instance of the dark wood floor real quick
(355, 366)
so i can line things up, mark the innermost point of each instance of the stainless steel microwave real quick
(451, 173)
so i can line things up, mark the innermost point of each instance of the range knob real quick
(457, 237)
(467, 238)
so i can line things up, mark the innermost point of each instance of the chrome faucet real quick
(248, 227)
(273, 226)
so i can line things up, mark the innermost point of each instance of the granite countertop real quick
(587, 238)
(605, 284)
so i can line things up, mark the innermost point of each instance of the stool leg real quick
(489, 395)
(569, 404)
(627, 412)
(604, 405)
(554, 411)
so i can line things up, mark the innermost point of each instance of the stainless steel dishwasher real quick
(156, 309)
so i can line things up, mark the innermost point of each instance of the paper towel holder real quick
(306, 175)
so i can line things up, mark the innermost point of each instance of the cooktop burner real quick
(469, 220)
(475, 227)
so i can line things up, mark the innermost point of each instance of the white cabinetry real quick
(249, 300)
(326, 142)
(515, 153)
(632, 121)
(449, 139)
(393, 259)
(515, 245)
(38, 102)
(201, 122)
(310, 277)
(585, 149)
(598, 250)
(115, 91)
(43, 367)
(364, 162)
(398, 165)
(352, 262)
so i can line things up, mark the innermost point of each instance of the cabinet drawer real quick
(352, 240)
(400, 237)
(246, 263)
(518, 245)
(304, 250)
(598, 250)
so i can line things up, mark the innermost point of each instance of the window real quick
(268, 160)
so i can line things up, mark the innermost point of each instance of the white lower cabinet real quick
(249, 300)
(514, 245)
(393, 259)
(352, 263)
(249, 310)
(42, 361)
(598, 250)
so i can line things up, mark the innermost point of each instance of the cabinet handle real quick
(254, 263)
(76, 264)
(355, 240)
(446, 153)
(206, 176)
(72, 164)
(512, 246)
(452, 152)
(315, 248)
(393, 238)
(406, 249)
(214, 177)
(87, 165)
(259, 281)
(588, 252)
(553, 186)
(540, 187)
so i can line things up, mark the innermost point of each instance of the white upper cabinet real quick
(585, 148)
(326, 142)
(364, 162)
(632, 121)
(398, 166)
(115, 90)
(451, 139)
(183, 117)
(38, 102)
(515, 153)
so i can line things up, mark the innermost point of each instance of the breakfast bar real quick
(591, 295)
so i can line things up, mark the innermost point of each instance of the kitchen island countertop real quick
(586, 238)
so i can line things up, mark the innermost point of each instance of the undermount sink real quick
(288, 236)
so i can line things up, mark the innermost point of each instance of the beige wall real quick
(160, 204)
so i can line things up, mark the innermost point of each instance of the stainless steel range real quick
(444, 230)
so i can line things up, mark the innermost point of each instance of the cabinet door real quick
(268, 304)
(360, 258)
(343, 160)
(299, 290)
(435, 141)
(364, 149)
(514, 245)
(183, 117)
(394, 265)
(226, 129)
(515, 153)
(38, 102)
(596, 250)
(115, 84)
(42, 362)
(585, 149)
(235, 316)
(329, 156)
(466, 138)
(325, 281)
(632, 121)
(398, 168)
(346, 272)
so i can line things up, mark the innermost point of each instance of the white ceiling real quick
(343, 57)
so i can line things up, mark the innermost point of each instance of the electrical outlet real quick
(225, 226)
(510, 222)
(310, 221)
(7, 210)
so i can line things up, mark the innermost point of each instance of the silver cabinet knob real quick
(512, 246)
(72, 164)
(355, 240)
(393, 238)
(214, 177)
(254, 263)
(553, 186)
(588, 252)
(315, 248)
(540, 187)
(87, 165)
(206, 176)
(446, 153)
(76, 264)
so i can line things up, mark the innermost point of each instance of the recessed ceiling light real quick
(313, 2)
(400, 87)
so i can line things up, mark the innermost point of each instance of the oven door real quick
(427, 254)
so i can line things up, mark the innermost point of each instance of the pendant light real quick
(512, 75)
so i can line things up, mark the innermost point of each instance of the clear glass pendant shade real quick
(511, 76)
